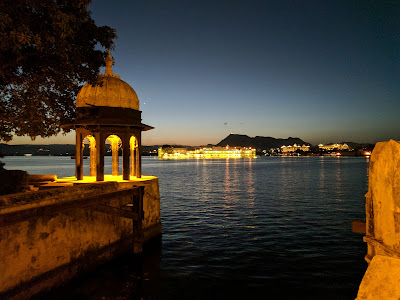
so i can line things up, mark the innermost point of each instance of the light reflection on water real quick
(269, 224)
(236, 228)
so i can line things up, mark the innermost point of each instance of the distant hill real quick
(258, 142)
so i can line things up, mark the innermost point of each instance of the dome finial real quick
(109, 61)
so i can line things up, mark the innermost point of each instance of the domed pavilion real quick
(109, 111)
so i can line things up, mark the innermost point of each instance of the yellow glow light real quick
(107, 178)
(113, 139)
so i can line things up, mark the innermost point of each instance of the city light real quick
(206, 153)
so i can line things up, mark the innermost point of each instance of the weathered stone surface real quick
(113, 92)
(151, 204)
(54, 234)
(41, 177)
(21, 201)
(383, 201)
(381, 280)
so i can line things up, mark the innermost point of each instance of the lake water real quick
(265, 228)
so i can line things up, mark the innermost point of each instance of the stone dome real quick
(113, 92)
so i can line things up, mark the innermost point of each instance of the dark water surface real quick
(265, 228)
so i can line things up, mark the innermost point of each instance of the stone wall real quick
(382, 205)
(151, 205)
(49, 236)
(382, 208)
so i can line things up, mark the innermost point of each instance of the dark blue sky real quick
(324, 71)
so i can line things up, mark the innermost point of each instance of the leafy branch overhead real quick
(48, 49)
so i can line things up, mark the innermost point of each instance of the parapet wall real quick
(49, 236)
(151, 205)
(382, 208)
(382, 205)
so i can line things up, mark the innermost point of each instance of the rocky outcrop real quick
(382, 208)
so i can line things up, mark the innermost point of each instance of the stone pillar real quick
(93, 153)
(114, 150)
(133, 148)
(382, 206)
(138, 158)
(382, 212)
(125, 158)
(78, 155)
(99, 156)
(133, 156)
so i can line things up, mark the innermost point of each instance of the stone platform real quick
(68, 227)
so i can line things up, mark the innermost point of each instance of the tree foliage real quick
(48, 48)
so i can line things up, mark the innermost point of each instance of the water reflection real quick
(321, 181)
(127, 277)
(263, 226)
(250, 182)
(227, 181)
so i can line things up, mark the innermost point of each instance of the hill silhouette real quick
(258, 142)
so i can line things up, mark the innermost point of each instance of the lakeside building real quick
(206, 153)
(288, 149)
(334, 146)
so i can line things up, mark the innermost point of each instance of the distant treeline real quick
(58, 150)
(260, 143)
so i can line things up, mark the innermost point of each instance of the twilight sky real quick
(323, 71)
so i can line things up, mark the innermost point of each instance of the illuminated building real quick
(206, 153)
(288, 149)
(334, 146)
